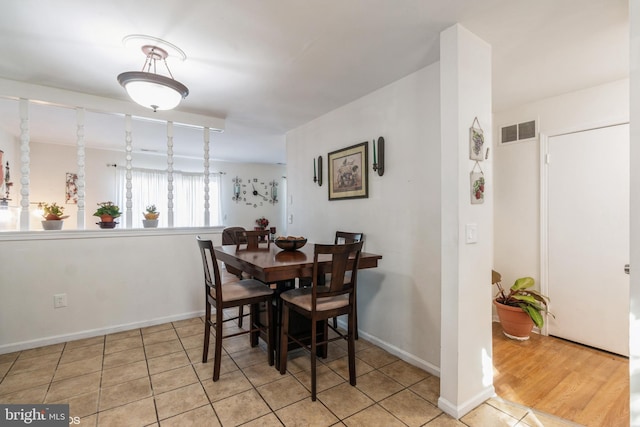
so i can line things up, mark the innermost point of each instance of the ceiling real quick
(268, 66)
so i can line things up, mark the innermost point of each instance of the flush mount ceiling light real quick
(147, 87)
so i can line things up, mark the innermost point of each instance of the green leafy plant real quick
(151, 212)
(53, 212)
(108, 208)
(520, 295)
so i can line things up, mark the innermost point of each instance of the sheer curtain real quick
(149, 187)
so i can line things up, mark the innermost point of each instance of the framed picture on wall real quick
(71, 195)
(348, 172)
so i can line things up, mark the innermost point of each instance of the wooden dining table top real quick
(274, 264)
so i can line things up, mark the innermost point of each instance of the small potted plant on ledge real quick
(107, 212)
(53, 216)
(520, 308)
(150, 217)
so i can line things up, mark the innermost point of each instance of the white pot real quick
(150, 223)
(52, 224)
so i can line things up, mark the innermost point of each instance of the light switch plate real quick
(471, 233)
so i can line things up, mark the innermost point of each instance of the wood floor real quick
(565, 379)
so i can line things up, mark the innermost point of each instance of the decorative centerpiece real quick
(150, 217)
(290, 243)
(107, 212)
(53, 216)
(262, 223)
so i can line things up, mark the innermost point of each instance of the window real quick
(150, 187)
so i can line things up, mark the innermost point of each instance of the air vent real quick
(518, 132)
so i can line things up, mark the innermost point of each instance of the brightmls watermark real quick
(34, 415)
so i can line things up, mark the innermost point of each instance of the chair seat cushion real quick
(242, 289)
(302, 298)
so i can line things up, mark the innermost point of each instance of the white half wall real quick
(398, 302)
(114, 280)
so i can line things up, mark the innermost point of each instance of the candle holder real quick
(236, 189)
(317, 176)
(273, 196)
(378, 161)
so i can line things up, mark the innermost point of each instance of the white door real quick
(588, 237)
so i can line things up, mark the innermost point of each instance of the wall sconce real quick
(378, 162)
(273, 196)
(236, 189)
(317, 177)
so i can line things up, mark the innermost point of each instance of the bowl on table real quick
(290, 244)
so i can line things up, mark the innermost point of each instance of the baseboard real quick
(40, 342)
(459, 411)
(407, 357)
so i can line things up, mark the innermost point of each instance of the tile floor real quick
(154, 377)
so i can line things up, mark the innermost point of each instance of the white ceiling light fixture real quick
(147, 87)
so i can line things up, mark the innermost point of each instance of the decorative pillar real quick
(128, 141)
(25, 162)
(206, 176)
(170, 174)
(81, 156)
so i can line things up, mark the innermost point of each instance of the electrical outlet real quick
(59, 300)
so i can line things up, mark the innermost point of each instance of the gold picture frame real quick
(349, 172)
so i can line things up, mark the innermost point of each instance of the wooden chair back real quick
(229, 238)
(211, 269)
(348, 237)
(252, 240)
(342, 280)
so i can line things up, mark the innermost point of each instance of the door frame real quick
(544, 198)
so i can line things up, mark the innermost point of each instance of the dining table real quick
(280, 268)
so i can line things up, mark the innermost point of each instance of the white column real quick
(128, 141)
(81, 157)
(466, 367)
(207, 135)
(25, 161)
(170, 174)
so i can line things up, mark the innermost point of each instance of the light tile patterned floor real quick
(154, 377)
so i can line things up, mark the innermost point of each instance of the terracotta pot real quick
(106, 218)
(151, 216)
(516, 324)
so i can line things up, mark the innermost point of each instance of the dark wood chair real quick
(321, 303)
(252, 240)
(229, 295)
(341, 238)
(348, 237)
(230, 237)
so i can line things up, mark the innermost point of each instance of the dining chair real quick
(321, 303)
(252, 239)
(234, 294)
(348, 237)
(229, 237)
(341, 238)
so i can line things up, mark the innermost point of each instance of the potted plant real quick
(53, 216)
(107, 212)
(520, 308)
(150, 217)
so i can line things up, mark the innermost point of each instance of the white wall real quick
(398, 302)
(517, 169)
(107, 288)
